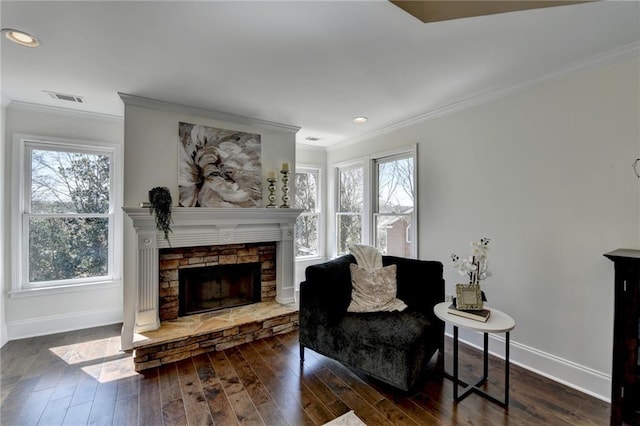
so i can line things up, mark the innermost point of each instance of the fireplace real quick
(202, 226)
(212, 288)
(241, 273)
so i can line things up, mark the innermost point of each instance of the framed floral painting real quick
(218, 167)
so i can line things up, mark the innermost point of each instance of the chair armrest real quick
(312, 307)
(329, 285)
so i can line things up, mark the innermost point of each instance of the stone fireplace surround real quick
(172, 260)
(200, 226)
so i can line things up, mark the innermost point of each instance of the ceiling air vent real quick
(64, 97)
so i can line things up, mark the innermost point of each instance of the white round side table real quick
(498, 322)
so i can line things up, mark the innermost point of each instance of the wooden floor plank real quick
(81, 378)
(289, 398)
(33, 407)
(54, 412)
(104, 404)
(173, 412)
(67, 383)
(256, 390)
(85, 390)
(393, 414)
(149, 401)
(126, 411)
(352, 399)
(78, 414)
(290, 373)
(14, 401)
(368, 393)
(195, 405)
(245, 410)
(271, 414)
(54, 371)
(221, 411)
(128, 387)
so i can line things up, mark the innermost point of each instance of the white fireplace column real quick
(199, 226)
(147, 312)
(285, 287)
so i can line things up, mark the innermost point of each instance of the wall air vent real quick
(64, 97)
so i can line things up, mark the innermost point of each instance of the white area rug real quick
(347, 419)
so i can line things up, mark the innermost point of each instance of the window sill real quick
(61, 289)
(303, 259)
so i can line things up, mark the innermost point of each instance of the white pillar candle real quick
(285, 167)
(272, 174)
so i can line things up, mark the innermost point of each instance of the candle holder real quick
(272, 193)
(285, 189)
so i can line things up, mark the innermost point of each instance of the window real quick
(394, 210)
(349, 215)
(308, 223)
(376, 204)
(66, 208)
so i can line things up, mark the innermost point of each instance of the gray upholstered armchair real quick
(393, 347)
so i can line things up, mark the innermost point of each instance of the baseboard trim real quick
(579, 377)
(61, 323)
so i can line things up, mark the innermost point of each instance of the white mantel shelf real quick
(212, 215)
(192, 226)
(201, 226)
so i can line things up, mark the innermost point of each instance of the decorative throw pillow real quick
(374, 290)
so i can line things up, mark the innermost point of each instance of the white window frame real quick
(410, 235)
(311, 168)
(366, 204)
(370, 195)
(22, 146)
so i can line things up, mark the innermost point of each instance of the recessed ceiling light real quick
(360, 120)
(20, 37)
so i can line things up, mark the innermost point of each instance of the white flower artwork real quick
(218, 167)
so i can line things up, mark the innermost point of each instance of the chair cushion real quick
(374, 290)
(399, 329)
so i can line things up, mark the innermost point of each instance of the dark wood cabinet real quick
(625, 374)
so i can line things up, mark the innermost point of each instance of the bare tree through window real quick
(67, 215)
(307, 224)
(395, 205)
(350, 207)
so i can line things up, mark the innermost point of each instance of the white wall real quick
(151, 159)
(3, 207)
(45, 314)
(545, 173)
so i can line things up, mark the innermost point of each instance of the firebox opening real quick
(217, 287)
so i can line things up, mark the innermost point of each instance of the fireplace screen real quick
(217, 287)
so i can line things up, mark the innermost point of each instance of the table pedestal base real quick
(474, 388)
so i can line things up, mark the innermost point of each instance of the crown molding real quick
(143, 102)
(31, 107)
(311, 147)
(609, 57)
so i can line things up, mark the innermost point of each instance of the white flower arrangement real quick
(476, 265)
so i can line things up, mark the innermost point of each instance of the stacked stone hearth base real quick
(214, 331)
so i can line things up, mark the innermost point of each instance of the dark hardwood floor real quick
(81, 378)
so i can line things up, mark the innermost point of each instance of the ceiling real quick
(310, 64)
